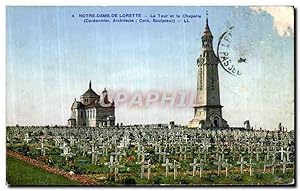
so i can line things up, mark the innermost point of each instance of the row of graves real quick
(155, 155)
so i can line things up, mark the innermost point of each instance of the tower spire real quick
(207, 36)
(207, 29)
(90, 85)
(206, 18)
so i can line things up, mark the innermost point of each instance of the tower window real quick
(205, 43)
(212, 78)
(201, 76)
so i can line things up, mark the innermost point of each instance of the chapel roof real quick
(76, 104)
(90, 92)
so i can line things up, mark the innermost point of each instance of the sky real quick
(51, 56)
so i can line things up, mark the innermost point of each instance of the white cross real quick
(275, 144)
(167, 165)
(194, 165)
(156, 147)
(27, 139)
(142, 163)
(104, 148)
(10, 138)
(100, 139)
(85, 147)
(250, 164)
(66, 153)
(217, 151)
(175, 167)
(282, 151)
(242, 163)
(57, 141)
(182, 151)
(94, 154)
(164, 154)
(139, 151)
(273, 164)
(149, 166)
(200, 165)
(72, 141)
(265, 163)
(186, 138)
(227, 166)
(250, 150)
(199, 151)
(110, 164)
(257, 152)
(119, 153)
(43, 148)
(288, 152)
(219, 164)
(222, 152)
(268, 152)
(116, 166)
(284, 163)
(206, 151)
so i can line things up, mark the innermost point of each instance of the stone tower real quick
(208, 110)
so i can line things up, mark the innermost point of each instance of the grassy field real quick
(210, 180)
(19, 173)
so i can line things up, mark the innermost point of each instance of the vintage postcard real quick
(150, 96)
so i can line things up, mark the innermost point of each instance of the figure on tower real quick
(208, 110)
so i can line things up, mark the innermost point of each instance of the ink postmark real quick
(224, 53)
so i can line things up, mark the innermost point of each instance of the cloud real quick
(283, 18)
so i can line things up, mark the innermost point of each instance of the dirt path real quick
(82, 179)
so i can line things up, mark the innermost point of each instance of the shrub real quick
(111, 177)
(122, 170)
(259, 176)
(129, 181)
(34, 153)
(238, 178)
(280, 175)
(24, 149)
(184, 181)
(58, 161)
(67, 168)
(78, 169)
(157, 180)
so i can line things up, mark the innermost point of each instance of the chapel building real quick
(92, 110)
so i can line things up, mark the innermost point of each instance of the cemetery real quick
(136, 155)
(46, 68)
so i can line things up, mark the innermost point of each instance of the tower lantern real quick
(207, 37)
